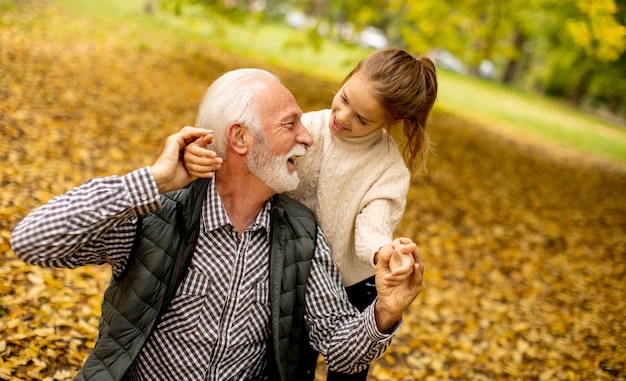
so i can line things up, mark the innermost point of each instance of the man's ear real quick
(239, 138)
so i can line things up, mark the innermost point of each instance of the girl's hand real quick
(200, 161)
(401, 261)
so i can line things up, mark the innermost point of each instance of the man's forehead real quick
(282, 105)
(275, 102)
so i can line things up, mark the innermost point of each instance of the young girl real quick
(354, 177)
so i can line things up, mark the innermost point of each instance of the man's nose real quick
(303, 136)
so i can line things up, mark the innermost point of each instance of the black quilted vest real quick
(165, 241)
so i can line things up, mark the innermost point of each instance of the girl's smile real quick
(336, 126)
(356, 110)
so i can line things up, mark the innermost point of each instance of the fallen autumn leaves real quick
(525, 248)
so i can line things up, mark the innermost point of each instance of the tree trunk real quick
(579, 91)
(512, 67)
(615, 104)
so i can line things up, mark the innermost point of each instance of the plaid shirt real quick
(217, 325)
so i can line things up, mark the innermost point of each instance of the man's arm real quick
(95, 222)
(348, 340)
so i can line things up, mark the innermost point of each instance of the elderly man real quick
(220, 278)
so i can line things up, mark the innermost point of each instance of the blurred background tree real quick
(573, 50)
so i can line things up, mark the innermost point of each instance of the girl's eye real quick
(361, 120)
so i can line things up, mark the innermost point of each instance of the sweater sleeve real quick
(384, 206)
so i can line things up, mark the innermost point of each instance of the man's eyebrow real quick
(290, 116)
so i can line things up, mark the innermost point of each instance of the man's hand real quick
(168, 170)
(399, 279)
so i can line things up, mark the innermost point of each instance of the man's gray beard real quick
(272, 170)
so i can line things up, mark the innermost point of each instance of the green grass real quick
(494, 106)
(273, 43)
(532, 116)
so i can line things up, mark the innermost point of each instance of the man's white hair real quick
(230, 99)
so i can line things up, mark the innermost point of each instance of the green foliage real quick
(306, 52)
(512, 34)
(173, 6)
(597, 31)
(609, 84)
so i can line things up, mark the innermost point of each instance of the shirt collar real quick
(214, 216)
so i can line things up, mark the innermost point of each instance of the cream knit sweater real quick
(357, 189)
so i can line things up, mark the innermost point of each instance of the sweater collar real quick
(360, 142)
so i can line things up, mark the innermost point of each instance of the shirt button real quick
(143, 197)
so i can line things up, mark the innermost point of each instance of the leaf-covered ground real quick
(525, 247)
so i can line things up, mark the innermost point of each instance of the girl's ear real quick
(239, 138)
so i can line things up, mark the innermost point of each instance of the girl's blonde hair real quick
(407, 89)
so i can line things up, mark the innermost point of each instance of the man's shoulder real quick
(294, 221)
(298, 215)
(292, 206)
(194, 189)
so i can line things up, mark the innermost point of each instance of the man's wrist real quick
(386, 320)
(143, 190)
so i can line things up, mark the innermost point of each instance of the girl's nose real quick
(343, 117)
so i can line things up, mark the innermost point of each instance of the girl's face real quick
(355, 110)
